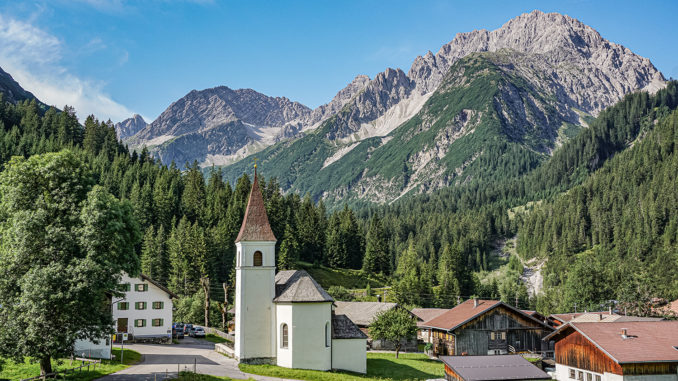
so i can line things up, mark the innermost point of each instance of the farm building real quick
(486, 327)
(487, 368)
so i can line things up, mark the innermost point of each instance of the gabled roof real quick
(564, 318)
(297, 286)
(158, 285)
(646, 341)
(601, 318)
(255, 226)
(362, 313)
(344, 328)
(426, 314)
(506, 367)
(467, 311)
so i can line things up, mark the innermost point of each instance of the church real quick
(286, 319)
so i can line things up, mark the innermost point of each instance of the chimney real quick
(623, 333)
(475, 302)
(600, 316)
(610, 309)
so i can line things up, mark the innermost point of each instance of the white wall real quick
(284, 315)
(307, 334)
(254, 310)
(350, 354)
(154, 294)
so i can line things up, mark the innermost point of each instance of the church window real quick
(327, 334)
(258, 258)
(283, 336)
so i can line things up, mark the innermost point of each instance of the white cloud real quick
(33, 57)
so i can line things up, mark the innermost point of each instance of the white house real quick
(286, 318)
(145, 312)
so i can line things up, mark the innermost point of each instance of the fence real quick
(63, 373)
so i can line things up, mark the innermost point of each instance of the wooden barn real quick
(486, 327)
(641, 350)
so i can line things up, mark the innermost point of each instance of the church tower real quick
(255, 339)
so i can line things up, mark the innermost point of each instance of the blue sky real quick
(117, 57)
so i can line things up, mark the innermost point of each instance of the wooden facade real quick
(576, 351)
(498, 331)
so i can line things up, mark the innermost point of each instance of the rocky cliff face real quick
(12, 91)
(589, 71)
(130, 126)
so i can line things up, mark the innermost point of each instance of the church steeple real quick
(255, 226)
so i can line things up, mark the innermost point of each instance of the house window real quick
(156, 322)
(283, 336)
(158, 305)
(589, 377)
(141, 287)
(258, 260)
(572, 374)
(503, 336)
(126, 287)
(140, 323)
(123, 306)
(580, 375)
(597, 377)
(328, 336)
(140, 305)
(493, 336)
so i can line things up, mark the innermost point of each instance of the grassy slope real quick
(16, 371)
(380, 366)
(351, 279)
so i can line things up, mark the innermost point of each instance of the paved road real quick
(160, 361)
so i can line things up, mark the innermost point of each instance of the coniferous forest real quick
(602, 213)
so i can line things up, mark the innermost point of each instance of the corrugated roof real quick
(460, 314)
(647, 341)
(297, 286)
(255, 226)
(426, 314)
(362, 313)
(344, 328)
(505, 367)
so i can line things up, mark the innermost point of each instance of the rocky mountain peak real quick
(130, 126)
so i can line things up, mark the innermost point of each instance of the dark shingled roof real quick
(504, 367)
(362, 313)
(344, 328)
(296, 286)
(255, 226)
(158, 285)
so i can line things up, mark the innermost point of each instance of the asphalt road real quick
(163, 361)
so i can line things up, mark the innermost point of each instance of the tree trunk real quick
(45, 365)
(206, 287)
(397, 347)
(224, 308)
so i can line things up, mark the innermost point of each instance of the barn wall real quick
(576, 351)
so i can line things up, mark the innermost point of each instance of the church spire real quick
(255, 226)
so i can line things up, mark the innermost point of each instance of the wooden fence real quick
(90, 362)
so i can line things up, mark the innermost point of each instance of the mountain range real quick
(459, 115)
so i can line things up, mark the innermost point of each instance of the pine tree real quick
(376, 258)
(289, 250)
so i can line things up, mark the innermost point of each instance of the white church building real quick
(286, 318)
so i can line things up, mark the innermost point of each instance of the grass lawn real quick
(16, 371)
(380, 366)
(216, 339)
(187, 376)
(351, 279)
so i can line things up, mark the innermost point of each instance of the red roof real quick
(460, 314)
(647, 341)
(426, 314)
(255, 226)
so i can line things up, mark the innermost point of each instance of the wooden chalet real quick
(486, 327)
(489, 368)
(640, 350)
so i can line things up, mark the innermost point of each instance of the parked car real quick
(198, 332)
(178, 330)
(187, 329)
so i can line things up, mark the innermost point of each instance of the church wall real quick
(308, 336)
(284, 316)
(349, 354)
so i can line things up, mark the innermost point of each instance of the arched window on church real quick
(258, 260)
(328, 335)
(284, 337)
